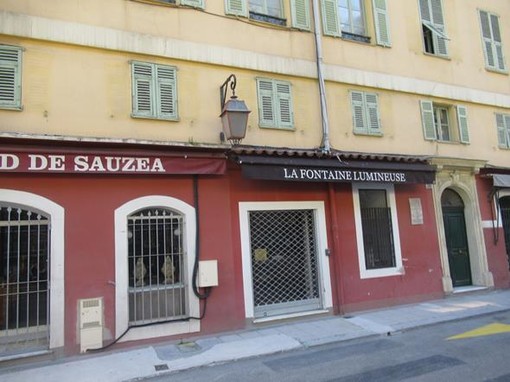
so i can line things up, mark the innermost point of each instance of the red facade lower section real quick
(90, 202)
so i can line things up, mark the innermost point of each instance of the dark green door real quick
(504, 204)
(456, 243)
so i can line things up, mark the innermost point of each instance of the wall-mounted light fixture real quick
(234, 113)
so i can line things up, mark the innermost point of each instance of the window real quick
(155, 259)
(191, 3)
(347, 19)
(491, 37)
(365, 113)
(434, 36)
(271, 11)
(10, 77)
(503, 126)
(377, 230)
(438, 124)
(275, 104)
(154, 91)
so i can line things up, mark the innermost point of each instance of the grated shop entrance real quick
(24, 280)
(284, 262)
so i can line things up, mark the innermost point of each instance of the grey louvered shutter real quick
(193, 3)
(502, 132)
(463, 124)
(427, 117)
(438, 22)
(300, 12)
(143, 89)
(358, 112)
(487, 39)
(236, 7)
(284, 102)
(10, 77)
(382, 23)
(266, 103)
(330, 18)
(491, 36)
(425, 11)
(372, 108)
(166, 92)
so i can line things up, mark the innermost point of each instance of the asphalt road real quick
(479, 352)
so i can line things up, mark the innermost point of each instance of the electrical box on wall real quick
(208, 273)
(91, 323)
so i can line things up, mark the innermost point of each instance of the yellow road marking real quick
(486, 330)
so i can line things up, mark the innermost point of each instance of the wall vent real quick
(90, 312)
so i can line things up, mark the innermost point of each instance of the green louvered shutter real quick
(143, 89)
(372, 108)
(463, 124)
(166, 95)
(266, 103)
(300, 11)
(382, 23)
(330, 18)
(10, 77)
(236, 7)
(502, 131)
(284, 103)
(427, 117)
(358, 113)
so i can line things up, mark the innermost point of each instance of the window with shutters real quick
(275, 104)
(190, 3)
(492, 43)
(270, 11)
(435, 40)
(503, 129)
(10, 77)
(377, 230)
(444, 123)
(365, 113)
(348, 19)
(154, 91)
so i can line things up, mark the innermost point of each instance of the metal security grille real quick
(156, 266)
(378, 238)
(505, 215)
(24, 287)
(377, 229)
(284, 262)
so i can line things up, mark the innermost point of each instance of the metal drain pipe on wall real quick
(325, 145)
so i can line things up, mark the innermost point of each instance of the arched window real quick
(156, 266)
(450, 198)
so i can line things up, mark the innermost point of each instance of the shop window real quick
(348, 19)
(10, 77)
(503, 129)
(154, 91)
(377, 230)
(435, 40)
(275, 104)
(493, 46)
(365, 113)
(156, 266)
(444, 123)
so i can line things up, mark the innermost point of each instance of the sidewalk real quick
(126, 365)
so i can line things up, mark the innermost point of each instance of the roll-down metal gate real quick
(24, 276)
(284, 262)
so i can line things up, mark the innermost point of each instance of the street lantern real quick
(234, 113)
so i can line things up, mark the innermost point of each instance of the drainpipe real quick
(325, 145)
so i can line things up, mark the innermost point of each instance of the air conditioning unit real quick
(90, 313)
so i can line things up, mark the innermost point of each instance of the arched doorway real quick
(504, 204)
(456, 238)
